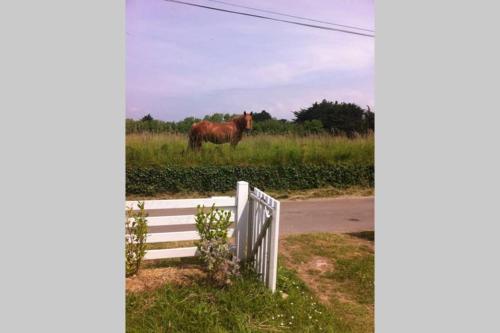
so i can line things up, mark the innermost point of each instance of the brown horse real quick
(219, 133)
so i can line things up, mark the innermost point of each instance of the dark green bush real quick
(149, 181)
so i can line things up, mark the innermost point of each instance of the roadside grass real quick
(368, 235)
(325, 284)
(339, 269)
(160, 150)
(324, 192)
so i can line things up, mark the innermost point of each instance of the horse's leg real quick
(191, 143)
(197, 144)
(234, 143)
(194, 143)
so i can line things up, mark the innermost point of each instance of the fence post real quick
(241, 219)
(273, 253)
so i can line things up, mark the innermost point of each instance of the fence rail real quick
(184, 203)
(158, 221)
(225, 203)
(254, 213)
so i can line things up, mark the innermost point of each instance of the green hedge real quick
(149, 181)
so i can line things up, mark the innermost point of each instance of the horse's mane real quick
(239, 121)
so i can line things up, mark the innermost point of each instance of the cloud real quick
(187, 61)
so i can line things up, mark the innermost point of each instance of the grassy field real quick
(325, 284)
(157, 150)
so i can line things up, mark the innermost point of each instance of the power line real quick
(288, 15)
(271, 18)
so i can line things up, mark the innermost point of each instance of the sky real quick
(185, 61)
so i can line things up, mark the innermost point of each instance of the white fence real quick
(255, 216)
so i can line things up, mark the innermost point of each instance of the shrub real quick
(207, 179)
(136, 229)
(213, 246)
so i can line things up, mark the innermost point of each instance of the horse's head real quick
(248, 117)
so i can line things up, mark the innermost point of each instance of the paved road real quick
(331, 215)
(315, 215)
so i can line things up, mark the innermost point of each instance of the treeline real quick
(346, 119)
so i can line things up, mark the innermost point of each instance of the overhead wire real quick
(271, 18)
(289, 15)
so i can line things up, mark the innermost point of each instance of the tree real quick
(216, 117)
(185, 125)
(314, 126)
(147, 117)
(369, 120)
(347, 118)
(273, 126)
(262, 116)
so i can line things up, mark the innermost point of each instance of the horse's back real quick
(217, 133)
(197, 127)
(206, 126)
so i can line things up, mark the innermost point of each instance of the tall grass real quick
(152, 150)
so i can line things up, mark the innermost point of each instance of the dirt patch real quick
(314, 269)
(153, 278)
(309, 271)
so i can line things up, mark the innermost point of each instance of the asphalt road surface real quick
(330, 215)
(340, 215)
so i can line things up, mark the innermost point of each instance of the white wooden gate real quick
(254, 213)
(263, 233)
(257, 231)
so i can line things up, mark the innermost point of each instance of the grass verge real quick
(325, 284)
(339, 269)
(324, 192)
